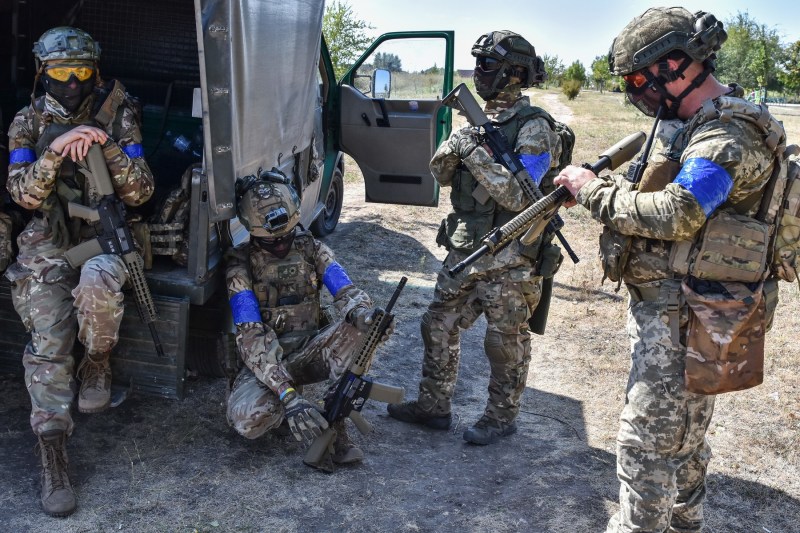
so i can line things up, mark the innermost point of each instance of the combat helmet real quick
(514, 56)
(65, 42)
(659, 34)
(267, 205)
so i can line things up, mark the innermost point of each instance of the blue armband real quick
(708, 182)
(21, 155)
(244, 306)
(536, 165)
(133, 150)
(335, 278)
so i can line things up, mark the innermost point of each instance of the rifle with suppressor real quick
(114, 237)
(347, 396)
(461, 99)
(531, 222)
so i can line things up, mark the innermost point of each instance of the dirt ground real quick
(162, 465)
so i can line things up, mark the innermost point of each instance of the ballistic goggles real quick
(488, 63)
(63, 73)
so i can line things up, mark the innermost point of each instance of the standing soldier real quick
(48, 141)
(505, 287)
(282, 334)
(701, 191)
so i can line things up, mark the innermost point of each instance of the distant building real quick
(464, 73)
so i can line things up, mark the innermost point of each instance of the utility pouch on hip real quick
(441, 235)
(725, 339)
(613, 246)
(732, 248)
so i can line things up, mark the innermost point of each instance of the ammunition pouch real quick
(725, 338)
(613, 249)
(731, 248)
(550, 260)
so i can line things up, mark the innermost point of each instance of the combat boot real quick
(95, 375)
(58, 498)
(487, 430)
(411, 412)
(344, 451)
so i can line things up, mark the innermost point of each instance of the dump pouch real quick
(725, 337)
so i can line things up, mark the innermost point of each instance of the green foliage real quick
(751, 54)
(790, 76)
(571, 88)
(554, 68)
(575, 72)
(600, 72)
(345, 35)
(388, 61)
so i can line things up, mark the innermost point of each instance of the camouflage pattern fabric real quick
(6, 251)
(661, 448)
(503, 287)
(300, 353)
(56, 302)
(662, 452)
(254, 409)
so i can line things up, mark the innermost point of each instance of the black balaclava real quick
(279, 247)
(71, 93)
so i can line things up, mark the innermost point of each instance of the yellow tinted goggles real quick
(63, 73)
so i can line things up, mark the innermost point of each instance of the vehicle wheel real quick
(329, 217)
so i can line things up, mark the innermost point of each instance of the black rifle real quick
(347, 396)
(530, 223)
(114, 237)
(462, 100)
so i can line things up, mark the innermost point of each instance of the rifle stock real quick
(114, 237)
(347, 396)
(534, 218)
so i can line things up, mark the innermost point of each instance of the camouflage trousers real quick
(662, 453)
(56, 302)
(506, 297)
(6, 252)
(253, 409)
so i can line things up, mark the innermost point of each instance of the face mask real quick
(70, 93)
(489, 77)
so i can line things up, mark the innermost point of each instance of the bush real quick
(571, 88)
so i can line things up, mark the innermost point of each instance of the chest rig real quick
(475, 212)
(287, 290)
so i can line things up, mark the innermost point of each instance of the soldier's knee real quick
(252, 424)
(506, 348)
(102, 273)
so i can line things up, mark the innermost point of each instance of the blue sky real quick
(570, 29)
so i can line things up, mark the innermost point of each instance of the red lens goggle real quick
(636, 79)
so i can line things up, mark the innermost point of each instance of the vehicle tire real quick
(329, 216)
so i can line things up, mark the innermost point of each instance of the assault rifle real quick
(462, 100)
(347, 396)
(114, 237)
(532, 221)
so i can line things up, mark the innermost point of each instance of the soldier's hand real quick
(361, 318)
(573, 178)
(305, 420)
(76, 142)
(463, 142)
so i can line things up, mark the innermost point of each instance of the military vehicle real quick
(226, 89)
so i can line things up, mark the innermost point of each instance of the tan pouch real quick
(613, 246)
(732, 247)
(725, 339)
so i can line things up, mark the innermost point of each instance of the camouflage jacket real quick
(656, 219)
(535, 137)
(34, 170)
(258, 344)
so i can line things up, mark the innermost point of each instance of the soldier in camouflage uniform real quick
(702, 163)
(48, 141)
(505, 287)
(282, 335)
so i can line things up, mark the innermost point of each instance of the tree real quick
(554, 68)
(575, 72)
(345, 35)
(790, 75)
(751, 54)
(388, 61)
(600, 72)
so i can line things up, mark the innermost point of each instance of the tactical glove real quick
(305, 421)
(463, 142)
(363, 318)
(59, 232)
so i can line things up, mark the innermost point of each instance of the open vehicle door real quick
(391, 116)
